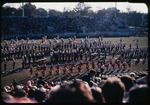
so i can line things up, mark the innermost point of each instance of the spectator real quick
(97, 94)
(39, 96)
(139, 94)
(89, 76)
(77, 92)
(40, 81)
(113, 90)
(20, 93)
(6, 97)
(128, 82)
(15, 83)
(31, 93)
(29, 83)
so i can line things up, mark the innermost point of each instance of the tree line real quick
(132, 18)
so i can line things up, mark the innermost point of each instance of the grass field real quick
(23, 76)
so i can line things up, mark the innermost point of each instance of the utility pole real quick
(116, 9)
(23, 9)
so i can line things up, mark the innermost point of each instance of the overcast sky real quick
(139, 7)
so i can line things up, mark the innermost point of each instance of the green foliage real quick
(29, 9)
(40, 12)
(132, 18)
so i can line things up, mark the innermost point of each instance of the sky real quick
(139, 7)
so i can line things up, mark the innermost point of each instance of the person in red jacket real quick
(44, 68)
(124, 65)
(73, 65)
(98, 62)
(113, 66)
(51, 67)
(129, 64)
(107, 65)
(57, 71)
(31, 71)
(11, 86)
(80, 64)
(93, 65)
(65, 70)
(104, 62)
(118, 64)
(116, 61)
(122, 60)
(50, 71)
(37, 74)
(57, 66)
(110, 62)
(87, 66)
(79, 68)
(43, 73)
(38, 68)
(65, 65)
(71, 69)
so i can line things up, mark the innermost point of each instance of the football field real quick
(24, 75)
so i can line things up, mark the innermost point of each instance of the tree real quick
(8, 11)
(82, 9)
(29, 9)
(101, 13)
(53, 12)
(40, 12)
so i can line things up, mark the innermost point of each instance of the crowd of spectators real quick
(86, 89)
(54, 24)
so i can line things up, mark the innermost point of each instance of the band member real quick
(37, 74)
(104, 62)
(51, 67)
(93, 65)
(50, 71)
(13, 63)
(110, 62)
(107, 65)
(98, 71)
(5, 64)
(65, 70)
(122, 60)
(113, 65)
(23, 62)
(71, 69)
(57, 71)
(98, 62)
(57, 67)
(29, 58)
(38, 68)
(73, 65)
(31, 71)
(65, 66)
(118, 64)
(44, 68)
(127, 61)
(124, 65)
(43, 73)
(87, 66)
(129, 64)
(79, 68)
